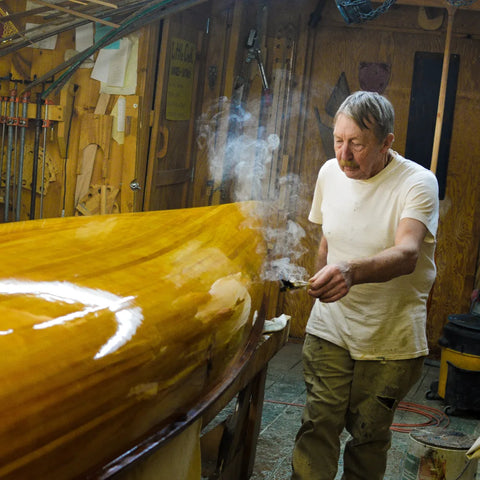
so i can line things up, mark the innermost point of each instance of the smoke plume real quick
(244, 163)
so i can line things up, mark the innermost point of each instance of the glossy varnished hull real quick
(114, 326)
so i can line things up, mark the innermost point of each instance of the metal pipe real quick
(36, 148)
(15, 154)
(8, 171)
(23, 123)
(3, 120)
(45, 125)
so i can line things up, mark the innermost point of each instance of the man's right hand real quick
(331, 283)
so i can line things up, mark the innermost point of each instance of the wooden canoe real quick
(113, 327)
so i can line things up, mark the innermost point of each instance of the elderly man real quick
(365, 338)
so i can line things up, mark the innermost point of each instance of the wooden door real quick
(170, 164)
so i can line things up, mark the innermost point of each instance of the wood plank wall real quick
(393, 39)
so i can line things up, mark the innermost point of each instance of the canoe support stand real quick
(228, 449)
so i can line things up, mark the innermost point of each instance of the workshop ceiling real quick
(124, 16)
(41, 19)
(56, 16)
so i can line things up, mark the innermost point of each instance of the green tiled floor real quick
(284, 395)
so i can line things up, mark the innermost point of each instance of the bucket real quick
(438, 454)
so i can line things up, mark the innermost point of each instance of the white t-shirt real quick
(359, 219)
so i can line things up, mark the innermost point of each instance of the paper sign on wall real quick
(180, 79)
(111, 65)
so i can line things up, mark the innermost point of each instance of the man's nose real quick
(345, 151)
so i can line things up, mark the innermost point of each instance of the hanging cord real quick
(435, 417)
(75, 88)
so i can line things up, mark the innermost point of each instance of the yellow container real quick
(461, 360)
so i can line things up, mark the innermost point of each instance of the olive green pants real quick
(360, 396)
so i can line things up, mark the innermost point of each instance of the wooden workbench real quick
(228, 449)
(224, 449)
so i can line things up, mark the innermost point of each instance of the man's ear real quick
(389, 139)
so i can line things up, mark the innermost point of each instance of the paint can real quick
(439, 454)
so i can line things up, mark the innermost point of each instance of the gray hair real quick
(369, 108)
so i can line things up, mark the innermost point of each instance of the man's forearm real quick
(322, 253)
(384, 266)
(332, 282)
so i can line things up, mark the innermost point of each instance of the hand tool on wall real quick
(3, 121)
(326, 134)
(15, 158)
(23, 124)
(339, 93)
(254, 53)
(36, 149)
(12, 122)
(45, 125)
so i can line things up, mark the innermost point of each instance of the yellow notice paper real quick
(180, 79)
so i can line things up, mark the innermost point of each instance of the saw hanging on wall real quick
(326, 134)
(339, 93)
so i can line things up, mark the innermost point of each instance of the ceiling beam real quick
(437, 3)
(76, 13)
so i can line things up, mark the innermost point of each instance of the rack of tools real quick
(25, 121)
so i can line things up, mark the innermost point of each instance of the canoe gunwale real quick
(153, 442)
